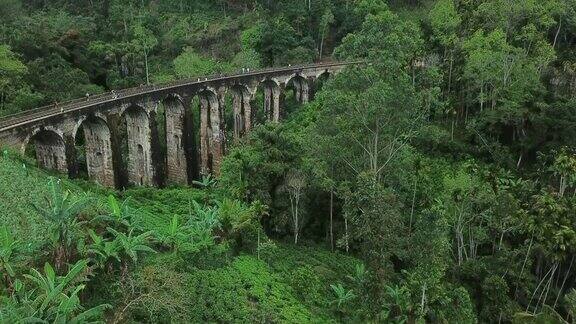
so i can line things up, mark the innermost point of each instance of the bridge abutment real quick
(218, 137)
(176, 164)
(140, 168)
(99, 151)
(242, 112)
(272, 94)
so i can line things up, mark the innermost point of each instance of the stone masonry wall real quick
(175, 152)
(140, 170)
(99, 152)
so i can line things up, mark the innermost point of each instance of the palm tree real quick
(62, 211)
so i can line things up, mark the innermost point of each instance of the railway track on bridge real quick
(24, 117)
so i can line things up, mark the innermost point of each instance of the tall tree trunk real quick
(552, 269)
(331, 219)
(557, 33)
(146, 63)
(346, 234)
(524, 265)
(321, 47)
(412, 209)
(450, 72)
(563, 282)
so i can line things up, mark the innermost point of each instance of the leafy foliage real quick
(445, 163)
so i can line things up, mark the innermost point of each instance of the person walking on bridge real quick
(56, 105)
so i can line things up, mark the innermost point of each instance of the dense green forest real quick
(435, 182)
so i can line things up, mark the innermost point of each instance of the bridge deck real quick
(27, 116)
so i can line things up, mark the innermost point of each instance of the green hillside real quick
(283, 283)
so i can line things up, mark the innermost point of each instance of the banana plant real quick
(7, 249)
(120, 213)
(343, 295)
(204, 217)
(203, 221)
(177, 234)
(62, 211)
(208, 186)
(207, 182)
(55, 298)
(131, 245)
(360, 275)
(100, 251)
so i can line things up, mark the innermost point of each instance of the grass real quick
(23, 186)
(155, 208)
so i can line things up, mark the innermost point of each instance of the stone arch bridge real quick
(122, 140)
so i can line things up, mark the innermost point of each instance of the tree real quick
(12, 70)
(564, 168)
(375, 125)
(12, 9)
(374, 213)
(144, 40)
(384, 40)
(295, 185)
(445, 22)
(326, 20)
(190, 64)
(277, 37)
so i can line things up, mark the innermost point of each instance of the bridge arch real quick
(49, 148)
(139, 146)
(319, 81)
(325, 75)
(300, 87)
(94, 141)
